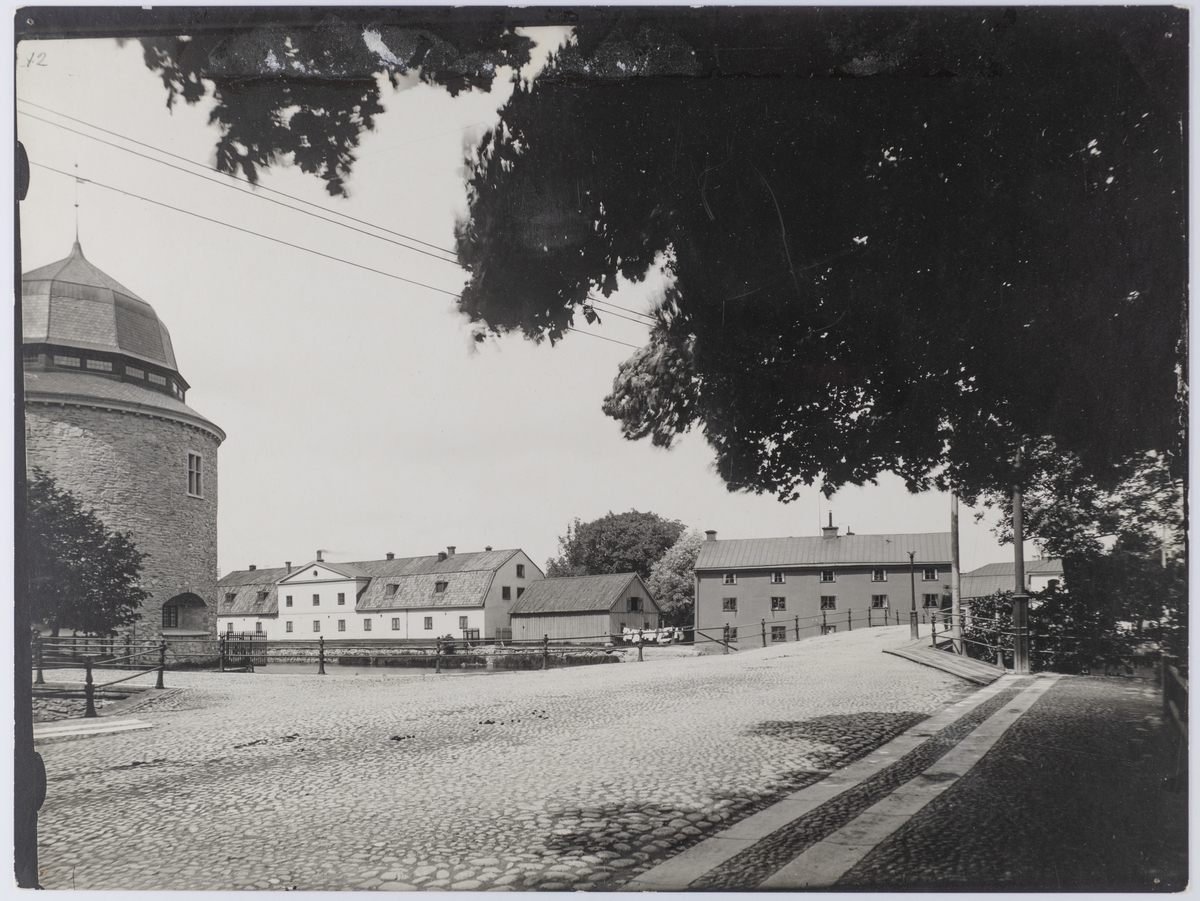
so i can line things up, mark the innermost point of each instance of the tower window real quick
(61, 360)
(195, 475)
(134, 372)
(100, 365)
(157, 379)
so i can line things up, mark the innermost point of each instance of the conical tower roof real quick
(73, 304)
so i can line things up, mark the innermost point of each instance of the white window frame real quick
(367, 625)
(937, 600)
(196, 474)
(778, 578)
(828, 572)
(878, 574)
(879, 602)
(729, 605)
(729, 579)
(782, 608)
(832, 605)
(925, 577)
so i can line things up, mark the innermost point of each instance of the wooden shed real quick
(584, 608)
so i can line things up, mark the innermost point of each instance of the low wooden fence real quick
(761, 632)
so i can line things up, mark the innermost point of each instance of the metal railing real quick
(64, 653)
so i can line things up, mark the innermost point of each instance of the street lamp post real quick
(912, 580)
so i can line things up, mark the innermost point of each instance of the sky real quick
(361, 417)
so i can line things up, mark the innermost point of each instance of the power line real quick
(226, 184)
(595, 299)
(626, 318)
(293, 246)
(248, 231)
(232, 175)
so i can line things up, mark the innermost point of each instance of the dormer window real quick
(440, 587)
(391, 590)
(262, 595)
(230, 597)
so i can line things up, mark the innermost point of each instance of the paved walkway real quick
(818, 763)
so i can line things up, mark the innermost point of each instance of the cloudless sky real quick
(361, 416)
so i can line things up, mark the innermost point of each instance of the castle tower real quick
(105, 417)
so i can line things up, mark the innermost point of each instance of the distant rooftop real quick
(735, 553)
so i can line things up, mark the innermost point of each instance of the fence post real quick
(797, 627)
(764, 632)
(641, 641)
(437, 657)
(321, 656)
(849, 621)
(89, 689)
(725, 637)
(221, 650)
(162, 663)
(37, 642)
(824, 624)
(869, 623)
(546, 651)
(933, 630)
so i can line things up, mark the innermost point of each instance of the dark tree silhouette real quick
(84, 576)
(899, 240)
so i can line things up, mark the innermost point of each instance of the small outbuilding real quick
(584, 608)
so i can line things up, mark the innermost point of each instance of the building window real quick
(287, 627)
(316, 625)
(230, 597)
(931, 600)
(462, 622)
(316, 600)
(366, 625)
(134, 372)
(879, 575)
(157, 379)
(314, 573)
(827, 575)
(729, 579)
(99, 365)
(520, 570)
(1052, 583)
(440, 587)
(777, 578)
(779, 633)
(429, 624)
(288, 602)
(229, 627)
(879, 601)
(520, 591)
(929, 574)
(395, 624)
(829, 602)
(729, 605)
(262, 596)
(195, 476)
(505, 593)
(778, 604)
(258, 629)
(635, 605)
(341, 598)
(341, 625)
(60, 360)
(391, 591)
(170, 616)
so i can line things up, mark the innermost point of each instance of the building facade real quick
(781, 588)
(999, 577)
(411, 599)
(106, 418)
(584, 608)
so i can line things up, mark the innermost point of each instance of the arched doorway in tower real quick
(184, 616)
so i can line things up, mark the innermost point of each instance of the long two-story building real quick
(783, 586)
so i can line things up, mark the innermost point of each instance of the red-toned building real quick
(784, 587)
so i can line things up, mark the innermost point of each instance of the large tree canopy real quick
(905, 240)
(614, 543)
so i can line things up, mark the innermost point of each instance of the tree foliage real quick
(83, 575)
(672, 581)
(614, 543)
(902, 240)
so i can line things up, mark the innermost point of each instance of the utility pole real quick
(912, 579)
(1020, 601)
(956, 623)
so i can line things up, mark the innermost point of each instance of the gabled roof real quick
(468, 576)
(994, 577)
(349, 570)
(248, 588)
(578, 594)
(738, 553)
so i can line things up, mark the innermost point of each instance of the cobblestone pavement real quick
(570, 779)
(1070, 799)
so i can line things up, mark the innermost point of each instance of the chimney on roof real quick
(391, 556)
(449, 550)
(710, 535)
(441, 556)
(488, 548)
(320, 559)
(253, 567)
(288, 564)
(829, 531)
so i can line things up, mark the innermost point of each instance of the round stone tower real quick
(105, 417)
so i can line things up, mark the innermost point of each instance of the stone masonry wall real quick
(133, 471)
